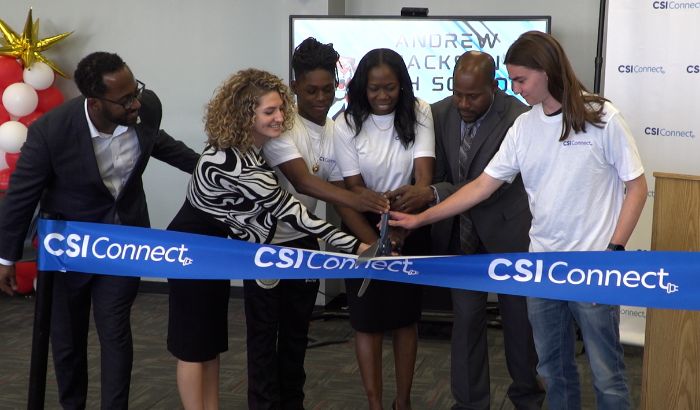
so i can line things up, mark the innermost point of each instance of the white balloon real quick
(20, 99)
(3, 162)
(39, 75)
(12, 136)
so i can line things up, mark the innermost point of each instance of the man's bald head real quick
(476, 62)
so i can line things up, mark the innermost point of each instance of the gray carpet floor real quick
(333, 380)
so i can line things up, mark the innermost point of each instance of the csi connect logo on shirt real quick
(569, 143)
(665, 132)
(560, 273)
(290, 258)
(641, 69)
(102, 247)
(675, 5)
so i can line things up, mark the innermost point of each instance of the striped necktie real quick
(467, 237)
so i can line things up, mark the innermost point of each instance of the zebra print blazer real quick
(240, 190)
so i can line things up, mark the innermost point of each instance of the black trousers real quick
(470, 362)
(277, 323)
(111, 298)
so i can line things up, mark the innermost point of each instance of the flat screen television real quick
(429, 45)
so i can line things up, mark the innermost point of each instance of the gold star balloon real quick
(28, 47)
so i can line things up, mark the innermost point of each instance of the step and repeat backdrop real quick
(652, 74)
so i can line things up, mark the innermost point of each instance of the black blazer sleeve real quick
(159, 143)
(174, 152)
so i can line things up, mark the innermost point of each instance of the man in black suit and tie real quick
(83, 161)
(469, 128)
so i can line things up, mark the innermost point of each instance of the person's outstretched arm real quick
(462, 200)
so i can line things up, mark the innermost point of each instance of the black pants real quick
(112, 298)
(277, 323)
(470, 362)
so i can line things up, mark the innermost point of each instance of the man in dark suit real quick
(83, 161)
(479, 114)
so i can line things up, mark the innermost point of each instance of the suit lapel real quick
(87, 150)
(454, 133)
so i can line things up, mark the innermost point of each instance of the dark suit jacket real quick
(502, 221)
(58, 170)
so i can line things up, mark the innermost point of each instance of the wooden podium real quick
(671, 370)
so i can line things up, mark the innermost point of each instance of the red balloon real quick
(5, 178)
(4, 115)
(25, 273)
(10, 72)
(49, 98)
(30, 118)
(11, 158)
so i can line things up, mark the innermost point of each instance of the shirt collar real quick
(95, 133)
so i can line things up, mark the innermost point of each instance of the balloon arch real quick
(28, 91)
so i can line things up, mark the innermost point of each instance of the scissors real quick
(382, 247)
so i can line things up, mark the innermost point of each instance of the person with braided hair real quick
(277, 317)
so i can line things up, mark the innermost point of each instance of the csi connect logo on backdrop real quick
(641, 69)
(290, 258)
(560, 273)
(102, 247)
(666, 132)
(675, 5)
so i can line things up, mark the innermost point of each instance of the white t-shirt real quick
(377, 154)
(312, 143)
(575, 187)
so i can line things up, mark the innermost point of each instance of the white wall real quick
(181, 49)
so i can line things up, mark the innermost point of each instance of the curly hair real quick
(88, 75)
(540, 51)
(359, 109)
(311, 54)
(230, 114)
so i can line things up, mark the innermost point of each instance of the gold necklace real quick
(315, 167)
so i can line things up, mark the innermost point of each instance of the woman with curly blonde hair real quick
(231, 112)
(233, 193)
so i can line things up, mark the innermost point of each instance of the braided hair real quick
(311, 54)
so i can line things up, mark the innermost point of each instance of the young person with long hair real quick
(586, 187)
(233, 193)
(384, 140)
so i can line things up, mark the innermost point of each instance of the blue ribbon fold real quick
(638, 278)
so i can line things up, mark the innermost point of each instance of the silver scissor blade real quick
(378, 248)
(365, 257)
(363, 287)
(368, 254)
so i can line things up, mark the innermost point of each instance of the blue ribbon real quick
(652, 279)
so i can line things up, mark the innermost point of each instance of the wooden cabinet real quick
(671, 370)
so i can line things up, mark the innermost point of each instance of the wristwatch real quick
(436, 197)
(615, 247)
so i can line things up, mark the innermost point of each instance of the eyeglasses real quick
(128, 101)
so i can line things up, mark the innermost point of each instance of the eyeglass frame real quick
(130, 99)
